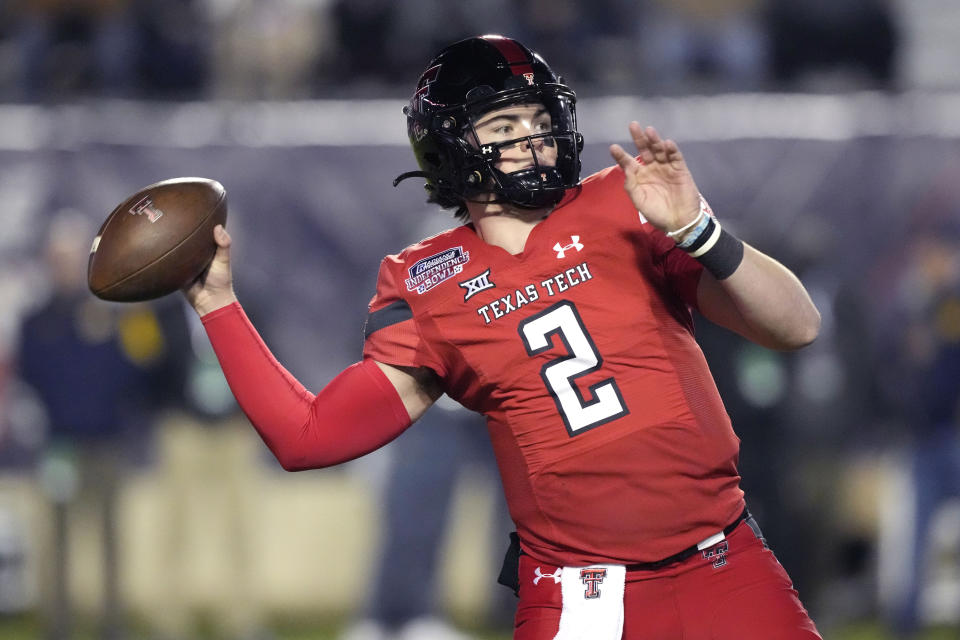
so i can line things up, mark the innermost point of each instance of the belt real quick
(509, 572)
(691, 550)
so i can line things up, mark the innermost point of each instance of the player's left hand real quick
(659, 184)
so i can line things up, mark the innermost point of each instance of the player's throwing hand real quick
(659, 184)
(214, 288)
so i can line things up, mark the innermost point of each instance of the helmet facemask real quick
(544, 181)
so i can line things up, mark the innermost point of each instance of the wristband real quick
(693, 229)
(719, 252)
(696, 233)
(693, 224)
(704, 241)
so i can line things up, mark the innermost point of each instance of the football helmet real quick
(466, 80)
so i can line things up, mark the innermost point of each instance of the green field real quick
(27, 627)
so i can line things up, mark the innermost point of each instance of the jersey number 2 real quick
(560, 374)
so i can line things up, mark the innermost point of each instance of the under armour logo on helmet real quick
(540, 575)
(562, 249)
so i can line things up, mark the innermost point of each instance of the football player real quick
(561, 309)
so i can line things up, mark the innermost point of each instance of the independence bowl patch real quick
(427, 273)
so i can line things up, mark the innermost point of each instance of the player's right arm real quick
(418, 387)
(363, 408)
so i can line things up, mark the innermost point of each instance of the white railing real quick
(380, 122)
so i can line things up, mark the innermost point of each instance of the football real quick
(156, 241)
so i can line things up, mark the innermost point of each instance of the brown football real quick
(157, 241)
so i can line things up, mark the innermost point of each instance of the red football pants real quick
(734, 590)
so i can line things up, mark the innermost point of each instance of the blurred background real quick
(136, 503)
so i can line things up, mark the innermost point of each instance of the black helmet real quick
(472, 77)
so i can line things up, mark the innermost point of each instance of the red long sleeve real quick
(357, 412)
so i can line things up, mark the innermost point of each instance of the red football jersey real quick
(611, 438)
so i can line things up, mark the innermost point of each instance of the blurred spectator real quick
(589, 44)
(379, 41)
(267, 49)
(75, 46)
(814, 40)
(208, 462)
(425, 465)
(797, 473)
(698, 45)
(173, 57)
(362, 30)
(928, 44)
(825, 410)
(88, 362)
(109, 48)
(283, 49)
(921, 373)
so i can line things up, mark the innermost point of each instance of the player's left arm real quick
(741, 289)
(763, 301)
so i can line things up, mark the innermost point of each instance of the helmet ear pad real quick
(455, 170)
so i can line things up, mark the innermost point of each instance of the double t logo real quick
(592, 578)
(145, 206)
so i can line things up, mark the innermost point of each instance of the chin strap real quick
(409, 174)
(515, 188)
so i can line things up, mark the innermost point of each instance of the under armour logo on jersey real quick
(562, 249)
(540, 575)
(592, 578)
(476, 285)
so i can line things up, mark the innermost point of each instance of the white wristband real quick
(706, 246)
(678, 233)
(694, 228)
